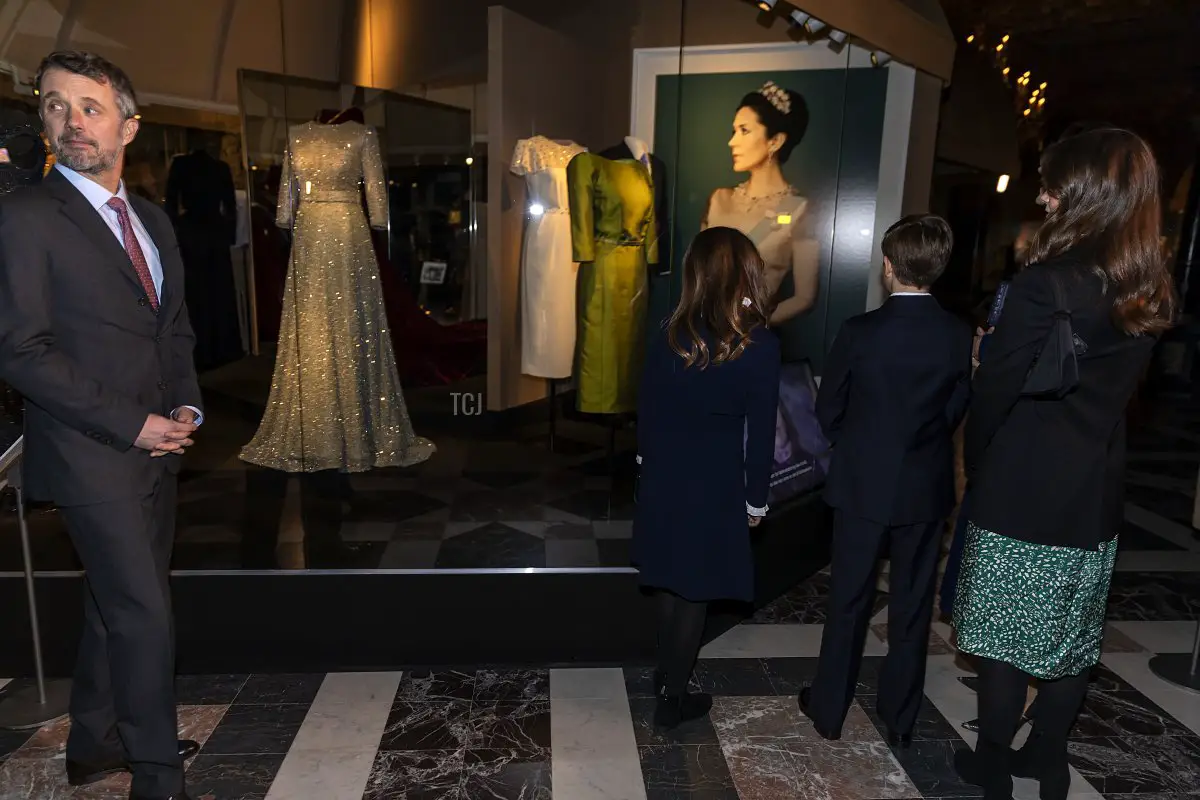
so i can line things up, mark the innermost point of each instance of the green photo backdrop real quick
(835, 165)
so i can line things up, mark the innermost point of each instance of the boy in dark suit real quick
(895, 388)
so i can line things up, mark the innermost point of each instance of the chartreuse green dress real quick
(612, 238)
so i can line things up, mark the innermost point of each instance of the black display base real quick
(1178, 669)
(26, 708)
(271, 622)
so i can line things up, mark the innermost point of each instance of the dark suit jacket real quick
(895, 388)
(80, 341)
(200, 186)
(1051, 471)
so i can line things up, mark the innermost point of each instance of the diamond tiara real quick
(777, 97)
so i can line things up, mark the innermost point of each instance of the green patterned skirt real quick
(1039, 608)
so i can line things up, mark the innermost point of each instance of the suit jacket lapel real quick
(77, 209)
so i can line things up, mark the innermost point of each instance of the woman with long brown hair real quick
(706, 430)
(1047, 460)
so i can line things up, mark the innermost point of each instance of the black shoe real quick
(973, 724)
(80, 773)
(1044, 764)
(671, 711)
(901, 740)
(986, 766)
(805, 705)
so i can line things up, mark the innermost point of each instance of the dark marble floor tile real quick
(805, 603)
(1139, 764)
(492, 546)
(500, 480)
(422, 775)
(686, 772)
(396, 505)
(746, 677)
(436, 686)
(511, 685)
(11, 741)
(232, 777)
(507, 775)
(491, 505)
(1124, 714)
(1134, 538)
(789, 675)
(1172, 505)
(280, 689)
(930, 766)
(930, 724)
(427, 726)
(256, 730)
(520, 727)
(595, 504)
(696, 732)
(568, 531)
(1153, 596)
(208, 690)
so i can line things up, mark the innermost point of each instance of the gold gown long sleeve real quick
(336, 400)
(613, 239)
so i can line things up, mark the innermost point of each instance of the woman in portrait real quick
(767, 126)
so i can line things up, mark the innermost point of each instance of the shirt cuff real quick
(639, 459)
(755, 511)
(198, 421)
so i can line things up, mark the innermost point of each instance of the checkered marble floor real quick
(473, 733)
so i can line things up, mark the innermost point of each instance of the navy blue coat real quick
(706, 439)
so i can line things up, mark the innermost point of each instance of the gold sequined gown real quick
(336, 401)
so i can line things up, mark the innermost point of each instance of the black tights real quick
(1001, 694)
(680, 630)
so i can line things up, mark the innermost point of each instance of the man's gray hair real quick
(99, 69)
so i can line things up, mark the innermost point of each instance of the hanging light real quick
(879, 59)
(1002, 184)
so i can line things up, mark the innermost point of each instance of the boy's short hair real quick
(919, 248)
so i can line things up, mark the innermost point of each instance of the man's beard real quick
(89, 160)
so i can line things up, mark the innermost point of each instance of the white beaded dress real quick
(336, 401)
(548, 272)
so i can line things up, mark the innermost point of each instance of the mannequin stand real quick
(46, 701)
(1180, 669)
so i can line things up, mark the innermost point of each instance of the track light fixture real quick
(838, 37)
(799, 18)
(880, 59)
(767, 5)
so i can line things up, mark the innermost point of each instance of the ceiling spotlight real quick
(970, 38)
(1006, 38)
(470, 161)
(536, 209)
(999, 48)
(1041, 102)
(1027, 73)
(1043, 86)
(1002, 184)
(767, 5)
(814, 25)
(838, 36)
(1028, 111)
(1035, 92)
(800, 18)
(880, 59)
(1007, 70)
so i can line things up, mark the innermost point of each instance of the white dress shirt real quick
(98, 197)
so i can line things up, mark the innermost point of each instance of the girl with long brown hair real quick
(1047, 467)
(706, 431)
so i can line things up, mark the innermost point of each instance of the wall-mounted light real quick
(880, 59)
(1002, 184)
(837, 36)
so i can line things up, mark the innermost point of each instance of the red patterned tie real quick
(134, 250)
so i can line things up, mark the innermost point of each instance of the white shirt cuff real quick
(198, 421)
(754, 511)
(639, 459)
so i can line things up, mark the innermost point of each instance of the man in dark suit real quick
(895, 388)
(95, 336)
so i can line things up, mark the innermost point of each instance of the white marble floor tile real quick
(335, 748)
(777, 641)
(1179, 703)
(594, 753)
(1161, 526)
(1160, 636)
(588, 684)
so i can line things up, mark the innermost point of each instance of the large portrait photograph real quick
(780, 155)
